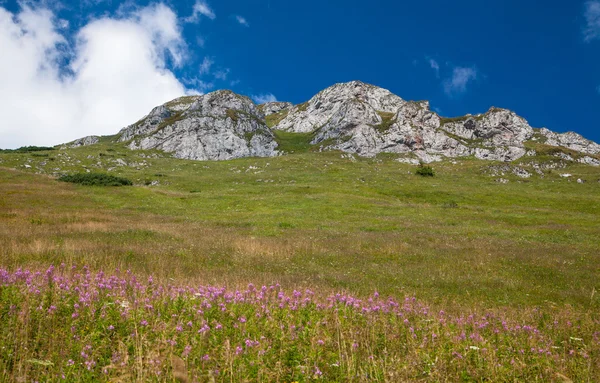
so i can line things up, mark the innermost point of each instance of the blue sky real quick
(101, 65)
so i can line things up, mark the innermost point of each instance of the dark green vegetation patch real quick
(27, 149)
(95, 179)
(425, 171)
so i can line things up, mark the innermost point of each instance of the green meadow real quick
(460, 241)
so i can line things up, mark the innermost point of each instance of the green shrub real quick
(27, 149)
(425, 171)
(95, 179)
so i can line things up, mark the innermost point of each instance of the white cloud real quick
(435, 66)
(201, 8)
(117, 72)
(262, 98)
(206, 65)
(457, 84)
(221, 74)
(242, 20)
(591, 31)
(200, 85)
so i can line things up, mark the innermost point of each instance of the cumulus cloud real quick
(461, 77)
(435, 66)
(262, 98)
(242, 20)
(113, 74)
(201, 8)
(591, 31)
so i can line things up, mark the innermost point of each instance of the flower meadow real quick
(68, 324)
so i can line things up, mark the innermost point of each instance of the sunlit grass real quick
(526, 252)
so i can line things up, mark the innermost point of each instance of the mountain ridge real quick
(353, 117)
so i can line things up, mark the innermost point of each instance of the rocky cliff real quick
(353, 117)
(360, 118)
(217, 126)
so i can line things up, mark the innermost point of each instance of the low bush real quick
(425, 171)
(95, 179)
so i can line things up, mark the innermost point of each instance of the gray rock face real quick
(270, 108)
(353, 117)
(570, 140)
(336, 100)
(217, 126)
(359, 118)
(85, 141)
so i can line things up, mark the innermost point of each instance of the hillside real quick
(308, 215)
(294, 256)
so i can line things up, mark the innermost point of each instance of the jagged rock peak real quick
(315, 113)
(220, 125)
(364, 119)
(353, 117)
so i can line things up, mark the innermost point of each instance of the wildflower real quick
(206, 358)
(144, 323)
(318, 372)
(111, 327)
(89, 364)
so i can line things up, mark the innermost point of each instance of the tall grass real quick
(72, 324)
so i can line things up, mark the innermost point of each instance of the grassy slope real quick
(314, 219)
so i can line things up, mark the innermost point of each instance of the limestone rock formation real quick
(85, 141)
(570, 140)
(359, 118)
(353, 117)
(270, 108)
(217, 126)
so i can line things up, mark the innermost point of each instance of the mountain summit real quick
(352, 117)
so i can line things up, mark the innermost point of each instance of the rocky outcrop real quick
(217, 126)
(353, 117)
(85, 141)
(335, 101)
(569, 140)
(270, 108)
(359, 118)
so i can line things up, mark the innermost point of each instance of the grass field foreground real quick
(501, 278)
